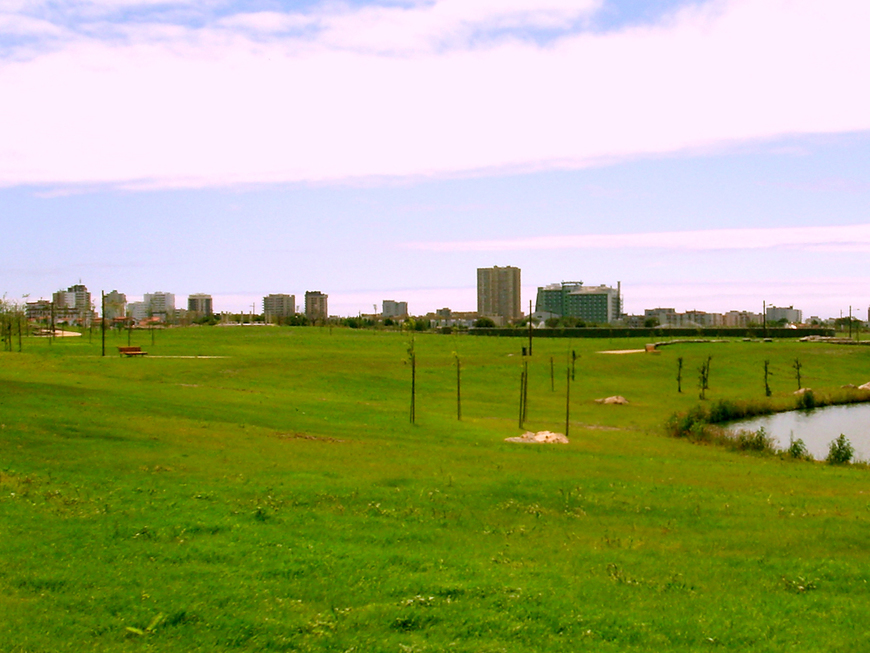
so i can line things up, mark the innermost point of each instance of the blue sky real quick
(707, 155)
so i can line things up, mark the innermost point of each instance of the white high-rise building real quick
(161, 305)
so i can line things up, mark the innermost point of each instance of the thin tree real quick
(522, 391)
(573, 362)
(458, 389)
(530, 327)
(526, 392)
(569, 375)
(767, 373)
(704, 377)
(680, 374)
(797, 365)
(103, 319)
(412, 357)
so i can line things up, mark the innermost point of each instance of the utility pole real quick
(103, 319)
(530, 327)
(567, 401)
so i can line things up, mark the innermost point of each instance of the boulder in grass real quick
(802, 391)
(541, 437)
(616, 399)
(866, 386)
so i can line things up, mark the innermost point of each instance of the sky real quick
(708, 155)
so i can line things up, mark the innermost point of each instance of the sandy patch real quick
(622, 351)
(541, 437)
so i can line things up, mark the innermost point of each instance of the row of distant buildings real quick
(498, 298)
(76, 306)
(668, 317)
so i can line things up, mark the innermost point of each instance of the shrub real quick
(754, 441)
(806, 400)
(679, 426)
(840, 451)
(724, 411)
(798, 450)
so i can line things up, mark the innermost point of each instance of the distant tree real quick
(680, 374)
(797, 371)
(484, 323)
(651, 322)
(704, 377)
(412, 359)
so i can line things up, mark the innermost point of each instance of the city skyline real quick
(496, 298)
(711, 155)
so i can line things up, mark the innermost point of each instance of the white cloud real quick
(427, 26)
(849, 238)
(170, 105)
(266, 22)
(25, 26)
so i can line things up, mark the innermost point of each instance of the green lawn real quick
(277, 498)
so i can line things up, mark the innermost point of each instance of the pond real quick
(816, 428)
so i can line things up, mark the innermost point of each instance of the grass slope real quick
(278, 499)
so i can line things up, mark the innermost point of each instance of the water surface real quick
(817, 428)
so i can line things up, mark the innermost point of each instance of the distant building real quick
(742, 319)
(138, 311)
(444, 317)
(200, 305)
(791, 315)
(394, 309)
(115, 305)
(278, 306)
(702, 319)
(73, 305)
(156, 304)
(596, 304)
(316, 309)
(39, 310)
(668, 317)
(498, 294)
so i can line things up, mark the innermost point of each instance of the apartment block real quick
(156, 304)
(316, 309)
(200, 304)
(791, 315)
(395, 309)
(498, 294)
(278, 306)
(114, 305)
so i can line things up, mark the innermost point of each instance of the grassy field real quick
(275, 497)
